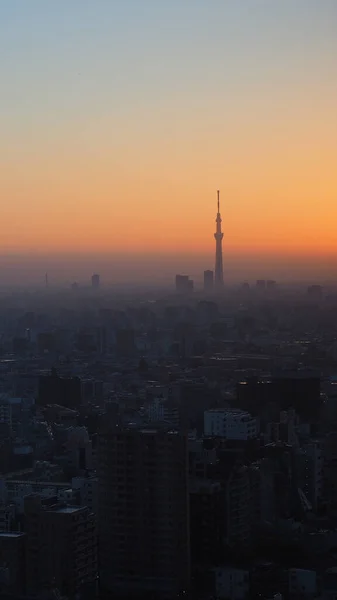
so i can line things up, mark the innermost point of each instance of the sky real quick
(120, 120)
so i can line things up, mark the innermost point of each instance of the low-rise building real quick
(229, 423)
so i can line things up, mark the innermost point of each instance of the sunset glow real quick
(118, 125)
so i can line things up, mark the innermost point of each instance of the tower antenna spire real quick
(218, 248)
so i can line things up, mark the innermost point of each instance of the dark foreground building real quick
(143, 514)
(65, 391)
(61, 548)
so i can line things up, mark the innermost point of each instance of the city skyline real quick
(168, 300)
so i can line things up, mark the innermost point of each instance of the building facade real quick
(61, 546)
(143, 512)
(231, 424)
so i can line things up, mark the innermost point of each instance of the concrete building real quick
(238, 516)
(87, 487)
(5, 412)
(79, 453)
(329, 584)
(311, 473)
(7, 517)
(143, 512)
(207, 501)
(231, 583)
(162, 410)
(12, 562)
(302, 583)
(229, 423)
(61, 546)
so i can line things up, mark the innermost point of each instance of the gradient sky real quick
(120, 118)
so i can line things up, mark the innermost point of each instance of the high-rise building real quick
(143, 512)
(208, 281)
(61, 546)
(218, 249)
(95, 281)
(207, 515)
(261, 284)
(182, 284)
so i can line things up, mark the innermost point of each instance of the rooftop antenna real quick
(218, 194)
(46, 280)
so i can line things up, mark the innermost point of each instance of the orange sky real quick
(119, 146)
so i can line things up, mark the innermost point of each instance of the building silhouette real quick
(95, 281)
(61, 545)
(315, 292)
(143, 512)
(190, 285)
(218, 249)
(53, 389)
(12, 561)
(184, 284)
(208, 281)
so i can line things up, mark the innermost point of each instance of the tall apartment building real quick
(207, 523)
(61, 546)
(143, 512)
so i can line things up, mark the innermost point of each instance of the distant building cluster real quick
(213, 281)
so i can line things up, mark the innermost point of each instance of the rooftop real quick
(67, 509)
(228, 411)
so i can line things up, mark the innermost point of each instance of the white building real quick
(231, 584)
(230, 423)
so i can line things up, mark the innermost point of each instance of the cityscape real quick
(178, 446)
(168, 350)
